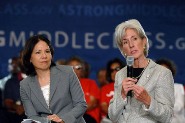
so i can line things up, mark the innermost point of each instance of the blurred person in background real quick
(89, 87)
(12, 102)
(87, 69)
(107, 91)
(179, 112)
(3, 117)
(4, 79)
(60, 62)
(101, 77)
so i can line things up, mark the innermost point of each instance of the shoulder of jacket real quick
(64, 68)
(26, 80)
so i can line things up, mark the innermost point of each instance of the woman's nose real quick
(131, 44)
(44, 55)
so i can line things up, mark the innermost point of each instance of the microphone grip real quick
(129, 74)
(129, 93)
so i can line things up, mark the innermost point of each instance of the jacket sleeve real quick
(161, 107)
(78, 100)
(117, 103)
(28, 106)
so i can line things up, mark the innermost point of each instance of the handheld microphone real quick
(130, 62)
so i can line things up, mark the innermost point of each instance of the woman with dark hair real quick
(113, 66)
(28, 51)
(50, 93)
(107, 91)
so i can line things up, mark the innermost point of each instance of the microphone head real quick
(130, 60)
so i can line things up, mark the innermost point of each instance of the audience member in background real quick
(1, 99)
(90, 89)
(60, 62)
(101, 77)
(4, 79)
(152, 92)
(22, 73)
(3, 117)
(12, 102)
(50, 93)
(179, 113)
(87, 69)
(107, 91)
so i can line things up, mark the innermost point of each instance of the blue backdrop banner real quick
(85, 28)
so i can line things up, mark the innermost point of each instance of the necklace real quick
(142, 71)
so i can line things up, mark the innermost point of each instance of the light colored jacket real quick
(179, 113)
(66, 96)
(159, 83)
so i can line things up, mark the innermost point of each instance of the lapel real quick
(35, 87)
(147, 74)
(122, 74)
(54, 78)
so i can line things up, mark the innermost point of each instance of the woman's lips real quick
(133, 52)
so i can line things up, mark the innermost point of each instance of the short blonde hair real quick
(132, 24)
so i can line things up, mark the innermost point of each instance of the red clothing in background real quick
(107, 93)
(90, 88)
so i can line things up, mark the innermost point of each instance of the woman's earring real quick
(144, 50)
(125, 54)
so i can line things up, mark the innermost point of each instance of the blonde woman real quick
(152, 97)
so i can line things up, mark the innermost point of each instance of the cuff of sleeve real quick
(145, 108)
(121, 102)
(150, 107)
(125, 100)
(61, 121)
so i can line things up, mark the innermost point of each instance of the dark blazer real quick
(66, 96)
(159, 83)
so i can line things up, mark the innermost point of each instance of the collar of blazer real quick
(147, 74)
(35, 87)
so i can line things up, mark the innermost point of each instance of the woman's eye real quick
(125, 41)
(48, 51)
(135, 39)
(37, 52)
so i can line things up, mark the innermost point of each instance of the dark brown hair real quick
(28, 49)
(169, 63)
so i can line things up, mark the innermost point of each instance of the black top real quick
(137, 72)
